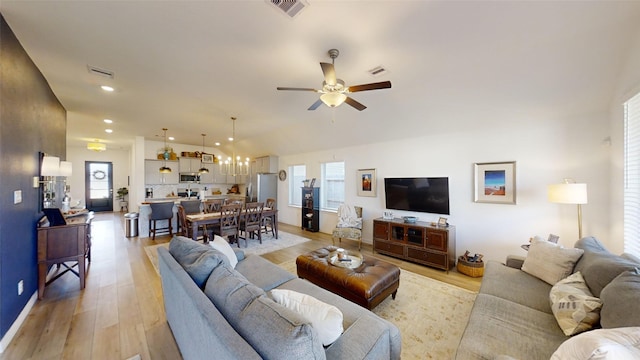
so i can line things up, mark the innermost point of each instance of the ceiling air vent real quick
(101, 72)
(289, 7)
(378, 70)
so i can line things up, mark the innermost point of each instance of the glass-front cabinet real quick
(419, 242)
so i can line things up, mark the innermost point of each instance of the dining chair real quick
(251, 221)
(229, 222)
(190, 207)
(161, 211)
(268, 221)
(212, 205)
(186, 227)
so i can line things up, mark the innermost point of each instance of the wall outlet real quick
(20, 287)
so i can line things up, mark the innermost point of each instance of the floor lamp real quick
(569, 193)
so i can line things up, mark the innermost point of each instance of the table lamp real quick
(569, 193)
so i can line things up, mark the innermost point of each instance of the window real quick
(332, 188)
(297, 173)
(632, 176)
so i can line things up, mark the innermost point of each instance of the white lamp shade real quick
(567, 193)
(66, 168)
(50, 166)
(333, 99)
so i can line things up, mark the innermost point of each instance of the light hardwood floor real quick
(120, 313)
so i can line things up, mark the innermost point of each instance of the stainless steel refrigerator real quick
(261, 187)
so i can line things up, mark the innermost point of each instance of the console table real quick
(418, 242)
(60, 244)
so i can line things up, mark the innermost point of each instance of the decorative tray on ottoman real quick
(345, 258)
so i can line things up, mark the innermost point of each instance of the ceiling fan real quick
(334, 92)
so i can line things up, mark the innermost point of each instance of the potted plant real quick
(122, 192)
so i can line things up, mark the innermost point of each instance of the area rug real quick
(430, 314)
(269, 244)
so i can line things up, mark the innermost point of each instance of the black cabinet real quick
(311, 209)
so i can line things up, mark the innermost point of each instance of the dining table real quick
(214, 218)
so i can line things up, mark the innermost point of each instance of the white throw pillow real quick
(550, 262)
(223, 246)
(573, 305)
(324, 318)
(601, 344)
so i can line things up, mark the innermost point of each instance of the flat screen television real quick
(420, 194)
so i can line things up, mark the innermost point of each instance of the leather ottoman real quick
(366, 285)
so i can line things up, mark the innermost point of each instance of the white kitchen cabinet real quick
(264, 164)
(207, 178)
(152, 175)
(190, 165)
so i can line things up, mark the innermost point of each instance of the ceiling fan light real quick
(333, 99)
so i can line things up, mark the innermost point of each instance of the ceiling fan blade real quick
(329, 73)
(296, 89)
(315, 105)
(355, 104)
(372, 86)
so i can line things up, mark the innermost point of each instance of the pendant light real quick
(202, 170)
(164, 169)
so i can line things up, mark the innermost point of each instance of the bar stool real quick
(160, 211)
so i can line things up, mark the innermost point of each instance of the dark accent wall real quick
(32, 120)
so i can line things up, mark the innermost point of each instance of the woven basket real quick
(473, 269)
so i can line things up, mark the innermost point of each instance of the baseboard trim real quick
(13, 330)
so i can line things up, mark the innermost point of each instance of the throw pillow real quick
(550, 262)
(573, 305)
(223, 246)
(325, 318)
(274, 331)
(620, 301)
(198, 260)
(601, 344)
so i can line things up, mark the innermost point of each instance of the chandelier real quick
(233, 165)
(96, 146)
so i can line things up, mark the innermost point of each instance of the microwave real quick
(189, 177)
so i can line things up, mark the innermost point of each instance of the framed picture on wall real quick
(366, 182)
(495, 182)
(207, 158)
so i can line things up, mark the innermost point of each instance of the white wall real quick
(121, 170)
(628, 85)
(546, 151)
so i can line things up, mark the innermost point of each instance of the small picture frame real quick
(313, 182)
(366, 182)
(207, 158)
(442, 221)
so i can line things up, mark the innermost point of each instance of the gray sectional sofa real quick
(512, 316)
(218, 312)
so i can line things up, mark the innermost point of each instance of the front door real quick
(98, 184)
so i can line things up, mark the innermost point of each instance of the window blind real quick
(297, 173)
(632, 176)
(332, 192)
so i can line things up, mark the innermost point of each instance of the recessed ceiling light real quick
(217, 144)
(171, 138)
(230, 139)
(108, 121)
(107, 88)
(109, 131)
